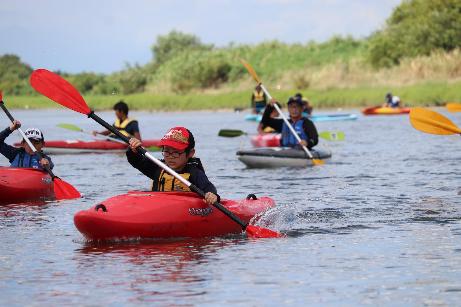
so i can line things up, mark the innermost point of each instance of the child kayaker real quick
(302, 125)
(258, 100)
(127, 126)
(263, 128)
(24, 156)
(178, 149)
(392, 101)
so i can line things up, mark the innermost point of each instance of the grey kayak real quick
(267, 157)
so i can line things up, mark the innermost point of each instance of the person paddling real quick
(127, 126)
(258, 100)
(304, 127)
(392, 101)
(178, 149)
(24, 156)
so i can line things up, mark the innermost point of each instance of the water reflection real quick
(157, 267)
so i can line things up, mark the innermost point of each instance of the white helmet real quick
(34, 134)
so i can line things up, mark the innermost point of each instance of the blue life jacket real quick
(23, 159)
(288, 139)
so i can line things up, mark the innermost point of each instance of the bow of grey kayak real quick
(269, 157)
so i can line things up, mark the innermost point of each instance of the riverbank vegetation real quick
(416, 55)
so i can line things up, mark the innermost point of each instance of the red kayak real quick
(385, 111)
(266, 140)
(164, 215)
(96, 146)
(20, 185)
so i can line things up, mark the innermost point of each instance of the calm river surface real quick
(378, 225)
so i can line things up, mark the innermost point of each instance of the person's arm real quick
(311, 132)
(133, 129)
(143, 164)
(253, 103)
(8, 151)
(200, 179)
(267, 120)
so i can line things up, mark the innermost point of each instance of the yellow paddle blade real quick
(250, 70)
(454, 106)
(318, 162)
(429, 121)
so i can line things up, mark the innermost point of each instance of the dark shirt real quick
(131, 128)
(152, 170)
(277, 124)
(10, 152)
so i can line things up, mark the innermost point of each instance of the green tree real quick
(14, 75)
(174, 43)
(417, 27)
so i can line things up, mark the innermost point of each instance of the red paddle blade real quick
(259, 232)
(64, 190)
(59, 90)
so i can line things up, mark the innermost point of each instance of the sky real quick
(104, 36)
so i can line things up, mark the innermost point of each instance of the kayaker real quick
(302, 125)
(263, 128)
(392, 101)
(307, 108)
(258, 100)
(178, 149)
(24, 156)
(127, 126)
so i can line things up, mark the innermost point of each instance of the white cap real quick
(34, 133)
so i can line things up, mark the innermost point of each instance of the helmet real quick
(34, 134)
(388, 95)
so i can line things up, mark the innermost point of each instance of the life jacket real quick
(259, 96)
(23, 159)
(168, 183)
(288, 139)
(120, 126)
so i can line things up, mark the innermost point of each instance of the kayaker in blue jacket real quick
(178, 149)
(302, 125)
(24, 156)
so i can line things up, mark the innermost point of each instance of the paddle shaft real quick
(144, 152)
(47, 168)
(309, 154)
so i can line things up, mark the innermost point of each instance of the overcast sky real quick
(103, 35)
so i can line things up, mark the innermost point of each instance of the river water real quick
(380, 224)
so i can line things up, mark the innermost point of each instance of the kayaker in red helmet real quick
(127, 126)
(24, 156)
(178, 149)
(302, 125)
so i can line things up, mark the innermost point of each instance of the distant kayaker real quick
(302, 125)
(127, 126)
(264, 128)
(24, 156)
(178, 149)
(307, 108)
(258, 100)
(392, 101)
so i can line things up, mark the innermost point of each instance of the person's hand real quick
(15, 125)
(94, 132)
(44, 162)
(260, 129)
(303, 143)
(135, 143)
(272, 102)
(211, 198)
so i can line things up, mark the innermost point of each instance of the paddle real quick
(256, 78)
(102, 137)
(59, 90)
(327, 135)
(62, 189)
(78, 129)
(429, 121)
(454, 106)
